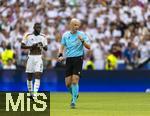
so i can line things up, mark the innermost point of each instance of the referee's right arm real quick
(60, 55)
(61, 49)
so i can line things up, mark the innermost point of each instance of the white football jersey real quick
(30, 39)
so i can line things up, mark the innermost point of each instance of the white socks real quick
(34, 90)
(30, 86)
(36, 86)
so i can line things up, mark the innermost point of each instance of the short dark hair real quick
(37, 24)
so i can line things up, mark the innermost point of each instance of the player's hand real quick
(37, 45)
(60, 59)
(34, 46)
(40, 44)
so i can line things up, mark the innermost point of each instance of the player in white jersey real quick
(35, 42)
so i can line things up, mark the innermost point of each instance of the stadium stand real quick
(124, 23)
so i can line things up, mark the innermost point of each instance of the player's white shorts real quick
(34, 64)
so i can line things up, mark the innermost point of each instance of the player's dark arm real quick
(23, 46)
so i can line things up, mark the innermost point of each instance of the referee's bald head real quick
(75, 20)
(74, 25)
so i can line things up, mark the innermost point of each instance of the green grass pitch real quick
(92, 104)
(101, 104)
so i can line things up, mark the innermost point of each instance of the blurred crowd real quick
(115, 27)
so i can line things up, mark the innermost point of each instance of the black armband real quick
(60, 55)
(82, 41)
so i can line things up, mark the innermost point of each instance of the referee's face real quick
(74, 25)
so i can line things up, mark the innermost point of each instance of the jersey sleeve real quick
(63, 40)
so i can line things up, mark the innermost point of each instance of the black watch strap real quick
(82, 41)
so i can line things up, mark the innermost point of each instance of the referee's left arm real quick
(86, 45)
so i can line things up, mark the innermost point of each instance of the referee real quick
(72, 45)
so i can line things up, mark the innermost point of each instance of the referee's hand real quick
(80, 38)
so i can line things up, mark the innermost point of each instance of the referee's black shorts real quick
(74, 66)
